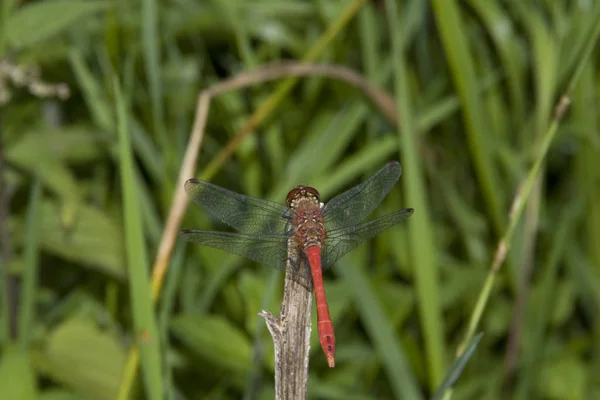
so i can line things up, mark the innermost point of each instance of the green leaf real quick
(215, 340)
(563, 378)
(396, 299)
(17, 378)
(54, 174)
(565, 298)
(82, 357)
(72, 144)
(252, 289)
(93, 240)
(39, 21)
(60, 395)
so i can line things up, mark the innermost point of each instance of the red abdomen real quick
(324, 324)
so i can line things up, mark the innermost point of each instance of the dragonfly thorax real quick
(309, 222)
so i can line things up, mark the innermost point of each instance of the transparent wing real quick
(340, 241)
(244, 214)
(270, 250)
(354, 205)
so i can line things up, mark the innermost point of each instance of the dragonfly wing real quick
(243, 213)
(354, 205)
(340, 241)
(270, 250)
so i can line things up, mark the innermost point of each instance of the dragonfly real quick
(320, 234)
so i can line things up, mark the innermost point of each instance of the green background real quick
(87, 183)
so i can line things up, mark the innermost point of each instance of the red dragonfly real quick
(323, 233)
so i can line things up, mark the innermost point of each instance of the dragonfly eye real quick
(313, 191)
(301, 190)
(292, 195)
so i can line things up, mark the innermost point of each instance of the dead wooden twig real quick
(291, 336)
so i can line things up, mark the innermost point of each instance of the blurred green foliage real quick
(87, 182)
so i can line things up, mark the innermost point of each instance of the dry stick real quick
(291, 334)
(267, 73)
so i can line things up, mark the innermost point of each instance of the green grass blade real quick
(546, 60)
(4, 321)
(533, 355)
(501, 28)
(421, 236)
(37, 22)
(233, 13)
(457, 367)
(29, 278)
(165, 310)
(151, 46)
(147, 334)
(381, 333)
(454, 40)
(5, 9)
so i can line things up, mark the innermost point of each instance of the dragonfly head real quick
(301, 194)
